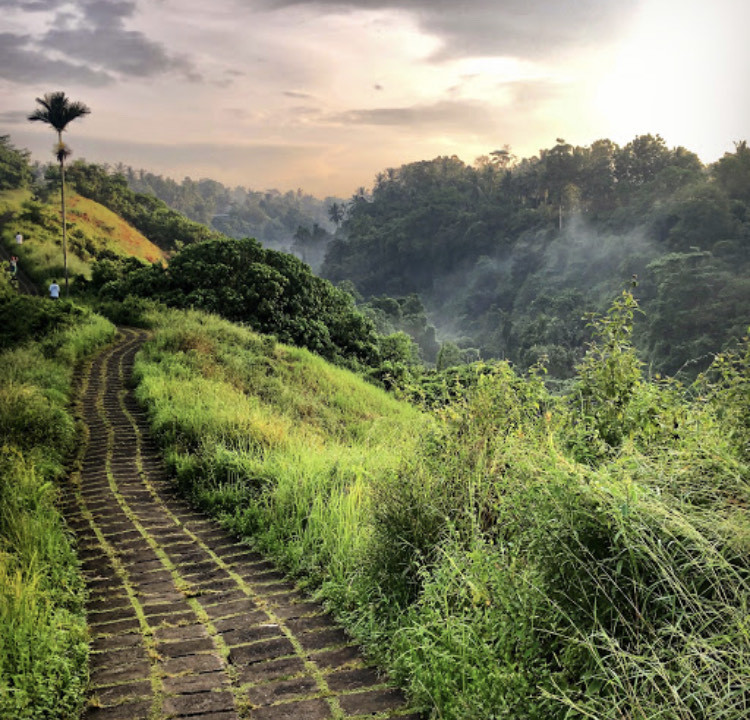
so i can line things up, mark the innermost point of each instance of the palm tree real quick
(57, 110)
(336, 214)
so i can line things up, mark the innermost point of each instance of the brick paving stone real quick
(274, 587)
(237, 622)
(251, 634)
(198, 703)
(282, 598)
(194, 663)
(295, 610)
(254, 566)
(118, 613)
(323, 639)
(120, 640)
(110, 676)
(144, 578)
(157, 588)
(115, 694)
(263, 650)
(117, 657)
(372, 702)
(271, 670)
(304, 710)
(219, 585)
(114, 628)
(336, 658)
(159, 608)
(180, 632)
(212, 597)
(103, 583)
(240, 554)
(185, 647)
(273, 692)
(183, 684)
(107, 602)
(98, 563)
(344, 680)
(230, 607)
(186, 616)
(129, 711)
(199, 568)
(138, 564)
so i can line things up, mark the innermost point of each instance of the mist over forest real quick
(504, 258)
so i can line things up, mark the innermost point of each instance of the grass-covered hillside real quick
(43, 635)
(93, 232)
(507, 554)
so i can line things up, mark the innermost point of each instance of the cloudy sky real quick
(323, 94)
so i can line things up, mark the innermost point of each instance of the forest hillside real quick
(509, 255)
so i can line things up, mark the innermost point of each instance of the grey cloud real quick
(123, 51)
(103, 40)
(94, 43)
(463, 115)
(14, 117)
(31, 5)
(20, 62)
(523, 28)
(297, 95)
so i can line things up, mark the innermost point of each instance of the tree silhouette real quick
(57, 110)
(336, 213)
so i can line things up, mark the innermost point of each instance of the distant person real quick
(13, 266)
(54, 290)
(19, 239)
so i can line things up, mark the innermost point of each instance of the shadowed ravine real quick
(185, 622)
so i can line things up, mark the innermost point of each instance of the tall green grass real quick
(43, 638)
(508, 555)
(281, 444)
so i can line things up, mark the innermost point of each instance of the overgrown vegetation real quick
(43, 636)
(507, 553)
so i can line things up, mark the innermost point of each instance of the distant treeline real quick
(508, 256)
(270, 216)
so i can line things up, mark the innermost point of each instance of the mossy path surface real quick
(186, 622)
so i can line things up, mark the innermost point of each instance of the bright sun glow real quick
(674, 76)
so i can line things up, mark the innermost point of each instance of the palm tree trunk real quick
(64, 219)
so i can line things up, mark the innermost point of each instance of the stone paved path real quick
(185, 622)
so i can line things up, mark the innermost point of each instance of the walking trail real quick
(186, 622)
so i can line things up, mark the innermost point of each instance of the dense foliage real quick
(43, 636)
(508, 256)
(272, 292)
(15, 171)
(515, 555)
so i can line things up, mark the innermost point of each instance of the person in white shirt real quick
(54, 290)
(19, 239)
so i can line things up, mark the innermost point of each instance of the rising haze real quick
(323, 94)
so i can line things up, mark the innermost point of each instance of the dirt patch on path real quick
(186, 622)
